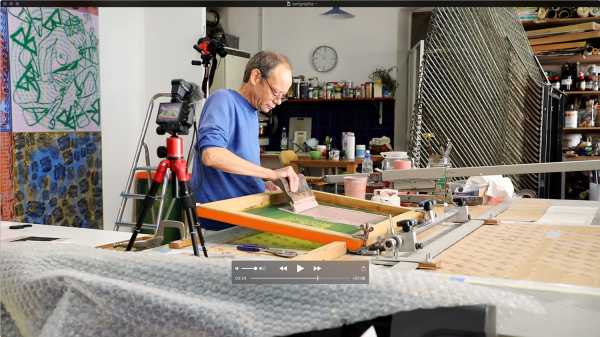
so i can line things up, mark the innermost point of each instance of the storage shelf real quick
(580, 158)
(534, 24)
(582, 92)
(550, 60)
(595, 129)
(381, 99)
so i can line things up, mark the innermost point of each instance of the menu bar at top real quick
(280, 3)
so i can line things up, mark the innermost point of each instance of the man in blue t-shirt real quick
(227, 164)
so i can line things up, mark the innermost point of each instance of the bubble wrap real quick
(53, 289)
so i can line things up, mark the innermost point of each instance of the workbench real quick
(270, 159)
(526, 258)
(572, 310)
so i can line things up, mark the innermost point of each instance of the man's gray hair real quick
(265, 61)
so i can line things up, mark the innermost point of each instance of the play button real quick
(299, 268)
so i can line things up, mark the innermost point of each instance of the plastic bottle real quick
(284, 139)
(367, 164)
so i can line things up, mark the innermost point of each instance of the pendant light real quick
(337, 12)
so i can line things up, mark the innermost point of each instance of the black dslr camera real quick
(176, 117)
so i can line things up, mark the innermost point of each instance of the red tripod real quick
(176, 164)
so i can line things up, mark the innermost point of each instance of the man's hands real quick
(271, 187)
(224, 160)
(289, 173)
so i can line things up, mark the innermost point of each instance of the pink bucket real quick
(355, 187)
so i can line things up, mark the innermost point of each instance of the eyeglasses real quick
(278, 96)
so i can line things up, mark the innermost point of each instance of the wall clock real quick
(324, 58)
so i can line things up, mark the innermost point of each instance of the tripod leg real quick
(148, 201)
(190, 212)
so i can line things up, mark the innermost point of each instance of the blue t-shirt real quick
(228, 121)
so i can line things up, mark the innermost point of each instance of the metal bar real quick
(495, 211)
(438, 172)
(448, 240)
(339, 178)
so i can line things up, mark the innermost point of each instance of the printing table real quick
(572, 310)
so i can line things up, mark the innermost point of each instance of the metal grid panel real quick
(482, 88)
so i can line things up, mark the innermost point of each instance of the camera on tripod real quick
(176, 117)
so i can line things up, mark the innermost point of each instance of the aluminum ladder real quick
(128, 193)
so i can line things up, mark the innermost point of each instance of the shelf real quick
(550, 60)
(581, 158)
(582, 92)
(381, 99)
(595, 129)
(533, 24)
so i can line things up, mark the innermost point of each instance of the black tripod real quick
(178, 167)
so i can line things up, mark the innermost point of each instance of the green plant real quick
(385, 76)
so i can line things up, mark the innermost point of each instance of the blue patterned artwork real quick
(54, 69)
(58, 178)
(50, 116)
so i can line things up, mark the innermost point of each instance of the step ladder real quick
(129, 193)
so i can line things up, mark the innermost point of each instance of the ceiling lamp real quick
(337, 12)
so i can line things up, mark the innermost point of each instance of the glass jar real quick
(390, 157)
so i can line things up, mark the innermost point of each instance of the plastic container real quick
(402, 164)
(460, 188)
(360, 150)
(355, 187)
(367, 164)
(350, 148)
(571, 140)
(594, 191)
(571, 118)
(334, 154)
(284, 140)
(386, 196)
(315, 155)
(323, 150)
(390, 157)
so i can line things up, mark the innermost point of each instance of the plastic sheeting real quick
(54, 289)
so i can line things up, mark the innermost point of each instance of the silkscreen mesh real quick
(481, 87)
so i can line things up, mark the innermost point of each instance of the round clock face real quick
(324, 58)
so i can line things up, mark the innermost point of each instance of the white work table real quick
(68, 235)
